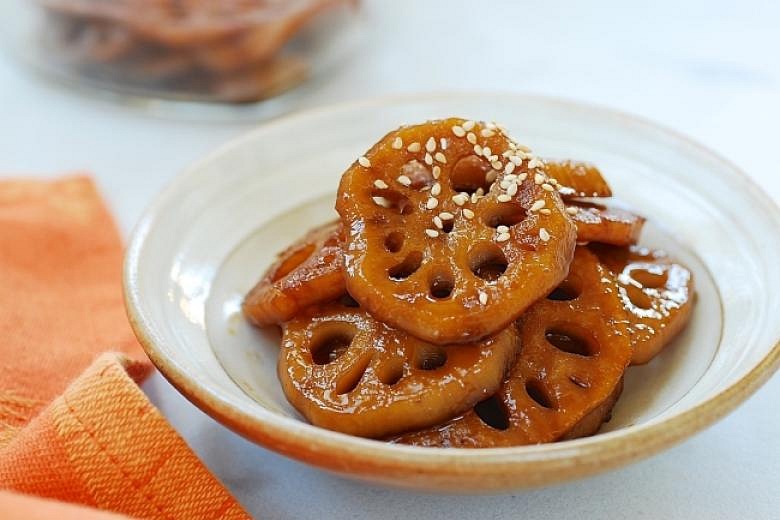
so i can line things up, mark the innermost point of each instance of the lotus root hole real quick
(649, 278)
(350, 378)
(418, 173)
(506, 214)
(469, 174)
(394, 241)
(296, 259)
(569, 289)
(493, 413)
(568, 338)
(442, 285)
(330, 342)
(392, 200)
(430, 357)
(391, 372)
(407, 267)
(638, 297)
(536, 391)
(487, 261)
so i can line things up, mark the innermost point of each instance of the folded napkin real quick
(91, 439)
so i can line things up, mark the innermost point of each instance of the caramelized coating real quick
(575, 349)
(308, 272)
(578, 179)
(347, 372)
(603, 224)
(441, 239)
(656, 292)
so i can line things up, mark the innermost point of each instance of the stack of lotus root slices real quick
(471, 295)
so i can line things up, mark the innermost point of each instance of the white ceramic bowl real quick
(208, 237)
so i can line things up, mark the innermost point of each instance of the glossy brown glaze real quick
(579, 179)
(604, 224)
(657, 295)
(575, 348)
(462, 277)
(345, 371)
(308, 272)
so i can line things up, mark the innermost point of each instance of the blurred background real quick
(134, 96)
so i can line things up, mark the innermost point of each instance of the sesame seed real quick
(545, 211)
(468, 125)
(595, 194)
(512, 190)
(502, 237)
(544, 235)
(553, 181)
(437, 222)
(446, 215)
(382, 185)
(480, 192)
(432, 233)
(509, 168)
(436, 189)
(403, 179)
(505, 183)
(486, 132)
(468, 213)
(523, 176)
(537, 205)
(502, 229)
(460, 199)
(458, 131)
(436, 172)
(428, 159)
(432, 203)
(496, 164)
(364, 162)
(398, 143)
(477, 149)
(491, 125)
(504, 198)
(430, 144)
(491, 176)
(516, 160)
(441, 157)
(486, 151)
(443, 143)
(538, 178)
(535, 163)
(381, 201)
(547, 187)
(571, 210)
(511, 177)
(483, 298)
(414, 147)
(471, 137)
(522, 148)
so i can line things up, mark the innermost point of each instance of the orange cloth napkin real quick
(91, 439)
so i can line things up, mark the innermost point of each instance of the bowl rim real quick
(541, 464)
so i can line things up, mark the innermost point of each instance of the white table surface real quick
(709, 69)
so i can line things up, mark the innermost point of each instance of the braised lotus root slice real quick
(564, 382)
(308, 272)
(657, 294)
(347, 372)
(578, 179)
(451, 231)
(604, 224)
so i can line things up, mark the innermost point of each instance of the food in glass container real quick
(235, 51)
